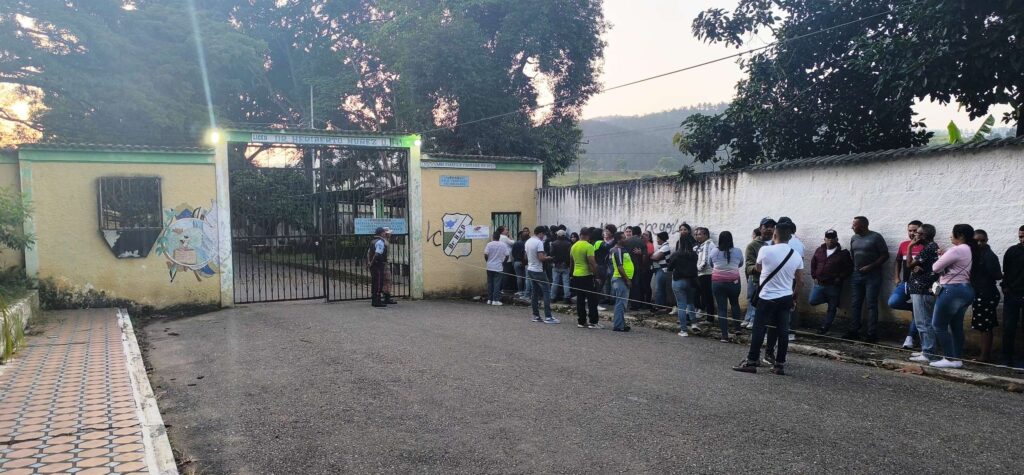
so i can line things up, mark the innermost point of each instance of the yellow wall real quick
(9, 181)
(488, 191)
(71, 250)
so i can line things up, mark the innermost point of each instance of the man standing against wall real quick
(584, 269)
(636, 248)
(494, 255)
(869, 253)
(767, 228)
(1013, 301)
(536, 258)
(705, 301)
(900, 298)
(380, 273)
(560, 272)
(781, 269)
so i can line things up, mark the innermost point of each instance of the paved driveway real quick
(440, 386)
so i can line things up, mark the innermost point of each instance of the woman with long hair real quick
(683, 266)
(986, 293)
(726, 261)
(954, 268)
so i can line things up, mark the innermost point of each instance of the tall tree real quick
(109, 71)
(851, 88)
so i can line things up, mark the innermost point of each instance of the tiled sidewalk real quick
(66, 401)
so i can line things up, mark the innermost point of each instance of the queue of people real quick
(635, 269)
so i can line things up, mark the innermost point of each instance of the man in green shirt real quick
(750, 264)
(584, 268)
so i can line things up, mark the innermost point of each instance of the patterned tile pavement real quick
(66, 401)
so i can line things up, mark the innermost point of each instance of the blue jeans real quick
(865, 289)
(1013, 308)
(948, 318)
(560, 282)
(540, 282)
(751, 288)
(494, 281)
(685, 291)
(924, 308)
(521, 282)
(662, 284)
(775, 313)
(621, 293)
(826, 293)
(727, 292)
(900, 300)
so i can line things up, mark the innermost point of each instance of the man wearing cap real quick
(830, 266)
(798, 248)
(380, 272)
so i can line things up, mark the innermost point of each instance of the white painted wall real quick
(984, 188)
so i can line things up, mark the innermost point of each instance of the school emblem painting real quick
(454, 239)
(189, 241)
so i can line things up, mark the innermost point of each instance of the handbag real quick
(937, 287)
(757, 295)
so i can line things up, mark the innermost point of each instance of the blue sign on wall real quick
(457, 181)
(369, 225)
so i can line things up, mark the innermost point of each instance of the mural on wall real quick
(453, 237)
(189, 241)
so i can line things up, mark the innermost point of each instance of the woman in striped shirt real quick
(726, 261)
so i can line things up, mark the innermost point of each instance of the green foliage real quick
(956, 135)
(13, 333)
(13, 213)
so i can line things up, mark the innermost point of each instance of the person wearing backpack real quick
(380, 273)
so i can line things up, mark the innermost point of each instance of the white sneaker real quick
(497, 303)
(792, 337)
(489, 302)
(596, 326)
(919, 359)
(916, 353)
(683, 333)
(601, 308)
(908, 343)
(944, 363)
(552, 320)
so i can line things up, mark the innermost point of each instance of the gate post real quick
(223, 181)
(415, 220)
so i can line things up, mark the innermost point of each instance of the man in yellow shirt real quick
(583, 280)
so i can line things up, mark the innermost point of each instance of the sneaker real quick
(768, 359)
(682, 333)
(746, 367)
(777, 370)
(908, 343)
(489, 302)
(580, 325)
(537, 319)
(920, 359)
(552, 320)
(792, 337)
(497, 303)
(916, 353)
(623, 329)
(596, 326)
(601, 308)
(944, 363)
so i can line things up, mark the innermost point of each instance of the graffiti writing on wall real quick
(452, 236)
(189, 241)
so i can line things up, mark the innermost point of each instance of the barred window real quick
(130, 214)
(508, 219)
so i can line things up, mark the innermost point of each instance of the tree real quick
(816, 95)
(113, 74)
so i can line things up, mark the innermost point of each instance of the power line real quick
(668, 73)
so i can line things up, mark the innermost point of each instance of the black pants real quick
(774, 314)
(586, 299)
(636, 292)
(705, 299)
(377, 283)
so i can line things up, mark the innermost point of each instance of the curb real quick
(1015, 385)
(159, 457)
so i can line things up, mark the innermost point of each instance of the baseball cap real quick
(386, 229)
(767, 221)
(380, 230)
(561, 232)
(831, 234)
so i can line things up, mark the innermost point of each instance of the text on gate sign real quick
(322, 140)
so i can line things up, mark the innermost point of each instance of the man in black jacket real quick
(1013, 298)
(830, 265)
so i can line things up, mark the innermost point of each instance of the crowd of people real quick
(633, 269)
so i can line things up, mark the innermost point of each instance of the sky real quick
(649, 37)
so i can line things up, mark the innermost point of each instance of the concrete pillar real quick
(415, 221)
(227, 274)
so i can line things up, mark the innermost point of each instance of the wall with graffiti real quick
(457, 224)
(189, 242)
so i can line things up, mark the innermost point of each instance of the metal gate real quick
(294, 227)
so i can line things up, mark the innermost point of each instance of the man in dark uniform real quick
(380, 270)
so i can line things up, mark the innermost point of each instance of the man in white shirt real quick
(781, 271)
(494, 254)
(535, 259)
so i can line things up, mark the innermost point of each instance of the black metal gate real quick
(294, 226)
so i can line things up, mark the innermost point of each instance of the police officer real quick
(380, 271)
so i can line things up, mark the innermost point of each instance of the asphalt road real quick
(445, 387)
